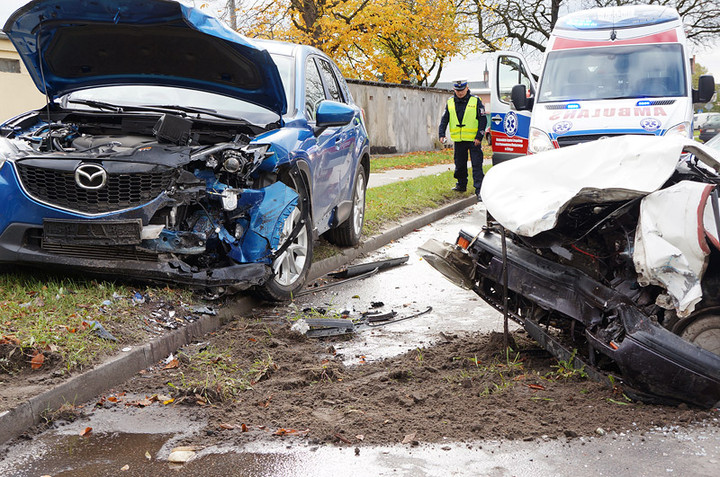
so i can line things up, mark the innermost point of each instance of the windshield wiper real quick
(97, 104)
(190, 109)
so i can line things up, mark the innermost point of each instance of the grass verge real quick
(411, 161)
(67, 324)
(418, 159)
(392, 202)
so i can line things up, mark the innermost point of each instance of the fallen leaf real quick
(112, 399)
(168, 401)
(243, 427)
(409, 438)
(37, 361)
(360, 437)
(172, 364)
(147, 455)
(86, 432)
(125, 467)
(536, 386)
(227, 426)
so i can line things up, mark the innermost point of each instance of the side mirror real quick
(519, 98)
(332, 113)
(706, 89)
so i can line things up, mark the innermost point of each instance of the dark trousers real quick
(462, 148)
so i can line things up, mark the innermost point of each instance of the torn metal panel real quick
(355, 270)
(670, 246)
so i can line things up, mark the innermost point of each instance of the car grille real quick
(115, 253)
(122, 191)
(572, 140)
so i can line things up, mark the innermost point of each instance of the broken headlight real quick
(539, 141)
(7, 150)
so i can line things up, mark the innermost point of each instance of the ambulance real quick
(606, 72)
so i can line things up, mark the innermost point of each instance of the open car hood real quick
(68, 45)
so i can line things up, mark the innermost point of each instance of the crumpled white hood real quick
(526, 195)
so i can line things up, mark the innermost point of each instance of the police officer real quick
(465, 114)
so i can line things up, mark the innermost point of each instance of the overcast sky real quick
(471, 68)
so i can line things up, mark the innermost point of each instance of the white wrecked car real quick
(612, 249)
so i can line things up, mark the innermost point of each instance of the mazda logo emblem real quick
(90, 176)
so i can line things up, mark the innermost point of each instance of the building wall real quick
(403, 118)
(17, 90)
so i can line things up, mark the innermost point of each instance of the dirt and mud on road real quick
(465, 387)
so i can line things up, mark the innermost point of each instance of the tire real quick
(349, 232)
(290, 269)
(704, 332)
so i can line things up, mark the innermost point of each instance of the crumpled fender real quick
(268, 208)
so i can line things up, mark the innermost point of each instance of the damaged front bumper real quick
(127, 263)
(655, 364)
(212, 251)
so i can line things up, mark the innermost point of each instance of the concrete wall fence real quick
(402, 118)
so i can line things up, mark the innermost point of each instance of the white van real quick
(606, 72)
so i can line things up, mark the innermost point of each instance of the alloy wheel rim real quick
(289, 265)
(359, 204)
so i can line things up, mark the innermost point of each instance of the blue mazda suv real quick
(173, 149)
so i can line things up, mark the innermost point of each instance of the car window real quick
(343, 84)
(331, 83)
(314, 92)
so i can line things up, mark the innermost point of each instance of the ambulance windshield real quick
(614, 72)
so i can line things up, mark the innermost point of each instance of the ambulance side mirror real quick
(705, 91)
(518, 96)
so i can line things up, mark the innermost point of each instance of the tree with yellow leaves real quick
(390, 40)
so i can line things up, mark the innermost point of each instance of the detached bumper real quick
(655, 363)
(126, 263)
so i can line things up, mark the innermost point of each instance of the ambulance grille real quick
(581, 138)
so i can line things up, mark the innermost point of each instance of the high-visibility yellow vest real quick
(467, 130)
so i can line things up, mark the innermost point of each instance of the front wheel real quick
(704, 332)
(348, 233)
(291, 267)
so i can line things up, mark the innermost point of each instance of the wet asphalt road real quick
(142, 438)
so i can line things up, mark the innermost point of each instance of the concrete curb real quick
(119, 369)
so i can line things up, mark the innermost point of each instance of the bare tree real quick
(701, 17)
(526, 24)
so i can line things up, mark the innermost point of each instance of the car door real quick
(332, 174)
(509, 127)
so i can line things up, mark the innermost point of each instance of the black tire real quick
(291, 268)
(704, 332)
(349, 232)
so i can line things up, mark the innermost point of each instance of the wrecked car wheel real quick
(704, 332)
(348, 233)
(291, 267)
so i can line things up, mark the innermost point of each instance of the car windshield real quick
(287, 74)
(637, 71)
(181, 99)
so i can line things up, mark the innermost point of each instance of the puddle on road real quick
(666, 452)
